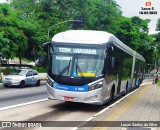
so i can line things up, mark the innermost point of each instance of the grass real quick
(8, 71)
(26, 60)
(0, 80)
(158, 83)
(40, 69)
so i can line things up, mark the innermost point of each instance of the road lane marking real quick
(99, 113)
(10, 91)
(102, 111)
(23, 104)
(122, 109)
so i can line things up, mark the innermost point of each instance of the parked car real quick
(22, 77)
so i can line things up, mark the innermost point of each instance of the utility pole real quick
(0, 65)
(61, 23)
(154, 76)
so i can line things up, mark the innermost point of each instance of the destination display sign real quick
(78, 50)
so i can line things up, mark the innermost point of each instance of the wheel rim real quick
(38, 83)
(22, 84)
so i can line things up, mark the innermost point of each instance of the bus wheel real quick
(112, 94)
(139, 82)
(126, 89)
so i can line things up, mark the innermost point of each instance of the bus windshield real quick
(88, 66)
(77, 65)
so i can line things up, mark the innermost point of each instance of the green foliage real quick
(134, 33)
(11, 36)
(42, 14)
(157, 43)
(40, 69)
(158, 25)
(25, 23)
(8, 71)
(158, 83)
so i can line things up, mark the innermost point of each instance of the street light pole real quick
(154, 76)
(61, 23)
(0, 65)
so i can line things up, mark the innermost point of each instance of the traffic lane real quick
(56, 111)
(51, 110)
(13, 95)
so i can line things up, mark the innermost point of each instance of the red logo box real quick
(148, 3)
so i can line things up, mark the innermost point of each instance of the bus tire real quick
(126, 89)
(138, 83)
(112, 93)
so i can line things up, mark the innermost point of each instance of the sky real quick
(2, 1)
(133, 7)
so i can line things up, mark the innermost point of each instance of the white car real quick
(22, 77)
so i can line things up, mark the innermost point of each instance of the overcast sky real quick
(132, 7)
(2, 1)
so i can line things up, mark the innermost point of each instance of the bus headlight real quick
(95, 86)
(55, 85)
(49, 82)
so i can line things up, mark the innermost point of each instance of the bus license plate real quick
(68, 98)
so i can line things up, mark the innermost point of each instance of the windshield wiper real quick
(69, 65)
(64, 70)
(79, 69)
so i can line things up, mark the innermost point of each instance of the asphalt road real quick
(47, 110)
(16, 95)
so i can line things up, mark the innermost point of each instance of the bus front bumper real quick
(90, 97)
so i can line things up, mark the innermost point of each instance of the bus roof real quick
(92, 37)
(138, 56)
(82, 36)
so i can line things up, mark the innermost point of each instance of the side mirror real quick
(43, 60)
(47, 47)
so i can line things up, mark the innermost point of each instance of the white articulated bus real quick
(91, 67)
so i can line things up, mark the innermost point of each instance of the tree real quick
(40, 15)
(11, 36)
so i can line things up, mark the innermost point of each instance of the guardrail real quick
(16, 65)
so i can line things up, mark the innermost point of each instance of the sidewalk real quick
(140, 109)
